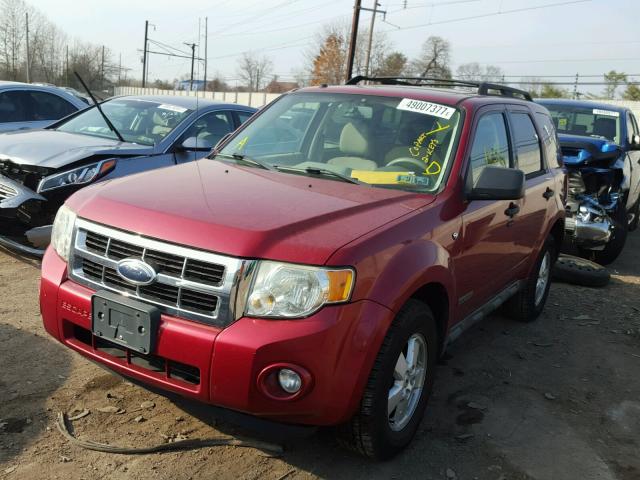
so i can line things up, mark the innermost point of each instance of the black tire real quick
(523, 306)
(580, 271)
(615, 245)
(369, 432)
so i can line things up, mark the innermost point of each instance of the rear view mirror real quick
(196, 144)
(497, 183)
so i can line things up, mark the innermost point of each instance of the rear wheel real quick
(396, 394)
(528, 303)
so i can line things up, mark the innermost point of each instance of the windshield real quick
(586, 121)
(138, 121)
(383, 141)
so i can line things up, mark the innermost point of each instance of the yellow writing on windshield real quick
(417, 144)
(241, 143)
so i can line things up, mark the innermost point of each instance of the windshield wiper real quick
(244, 158)
(319, 171)
(97, 105)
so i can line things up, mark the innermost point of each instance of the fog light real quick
(289, 380)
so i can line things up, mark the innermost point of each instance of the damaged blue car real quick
(600, 145)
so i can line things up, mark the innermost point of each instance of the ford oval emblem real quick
(136, 271)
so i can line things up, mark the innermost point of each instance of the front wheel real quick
(396, 394)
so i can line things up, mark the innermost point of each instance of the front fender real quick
(411, 267)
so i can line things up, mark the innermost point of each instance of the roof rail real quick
(484, 88)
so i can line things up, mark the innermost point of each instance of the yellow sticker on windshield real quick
(562, 123)
(381, 178)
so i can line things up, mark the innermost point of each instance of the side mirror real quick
(635, 142)
(196, 144)
(497, 183)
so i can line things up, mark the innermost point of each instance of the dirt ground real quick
(556, 399)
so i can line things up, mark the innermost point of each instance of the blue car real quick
(600, 144)
(24, 105)
(40, 168)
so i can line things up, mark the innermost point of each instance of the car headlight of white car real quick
(62, 231)
(78, 176)
(285, 290)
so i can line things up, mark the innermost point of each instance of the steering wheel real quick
(408, 160)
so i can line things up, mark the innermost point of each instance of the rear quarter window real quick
(550, 143)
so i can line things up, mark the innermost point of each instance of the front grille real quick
(190, 283)
(6, 192)
(195, 270)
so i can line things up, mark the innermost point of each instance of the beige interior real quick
(354, 144)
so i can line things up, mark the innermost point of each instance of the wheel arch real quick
(436, 297)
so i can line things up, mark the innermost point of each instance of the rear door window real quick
(527, 144)
(46, 106)
(211, 127)
(490, 144)
(13, 106)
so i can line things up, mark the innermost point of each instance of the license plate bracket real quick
(124, 321)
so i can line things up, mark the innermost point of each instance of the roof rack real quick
(484, 88)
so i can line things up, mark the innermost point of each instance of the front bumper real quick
(336, 346)
(16, 200)
(21, 226)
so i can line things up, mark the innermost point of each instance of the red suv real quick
(315, 266)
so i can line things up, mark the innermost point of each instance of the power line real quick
(486, 15)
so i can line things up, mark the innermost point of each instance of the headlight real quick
(77, 176)
(285, 290)
(62, 231)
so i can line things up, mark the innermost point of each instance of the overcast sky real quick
(523, 37)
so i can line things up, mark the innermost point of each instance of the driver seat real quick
(354, 144)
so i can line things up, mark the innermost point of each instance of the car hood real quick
(53, 149)
(580, 150)
(244, 211)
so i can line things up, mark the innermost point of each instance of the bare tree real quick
(12, 37)
(254, 70)
(475, 72)
(393, 64)
(434, 59)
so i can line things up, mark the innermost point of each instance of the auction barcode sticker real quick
(428, 108)
(611, 113)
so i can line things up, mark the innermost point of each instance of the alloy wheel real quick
(408, 381)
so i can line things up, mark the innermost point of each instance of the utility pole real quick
(193, 58)
(119, 67)
(575, 88)
(373, 21)
(206, 42)
(144, 54)
(354, 38)
(28, 63)
(66, 72)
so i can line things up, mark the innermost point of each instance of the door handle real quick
(512, 210)
(548, 193)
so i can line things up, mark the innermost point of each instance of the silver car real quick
(25, 106)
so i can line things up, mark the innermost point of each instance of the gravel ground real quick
(556, 399)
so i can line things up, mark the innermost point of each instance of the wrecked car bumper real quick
(18, 204)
